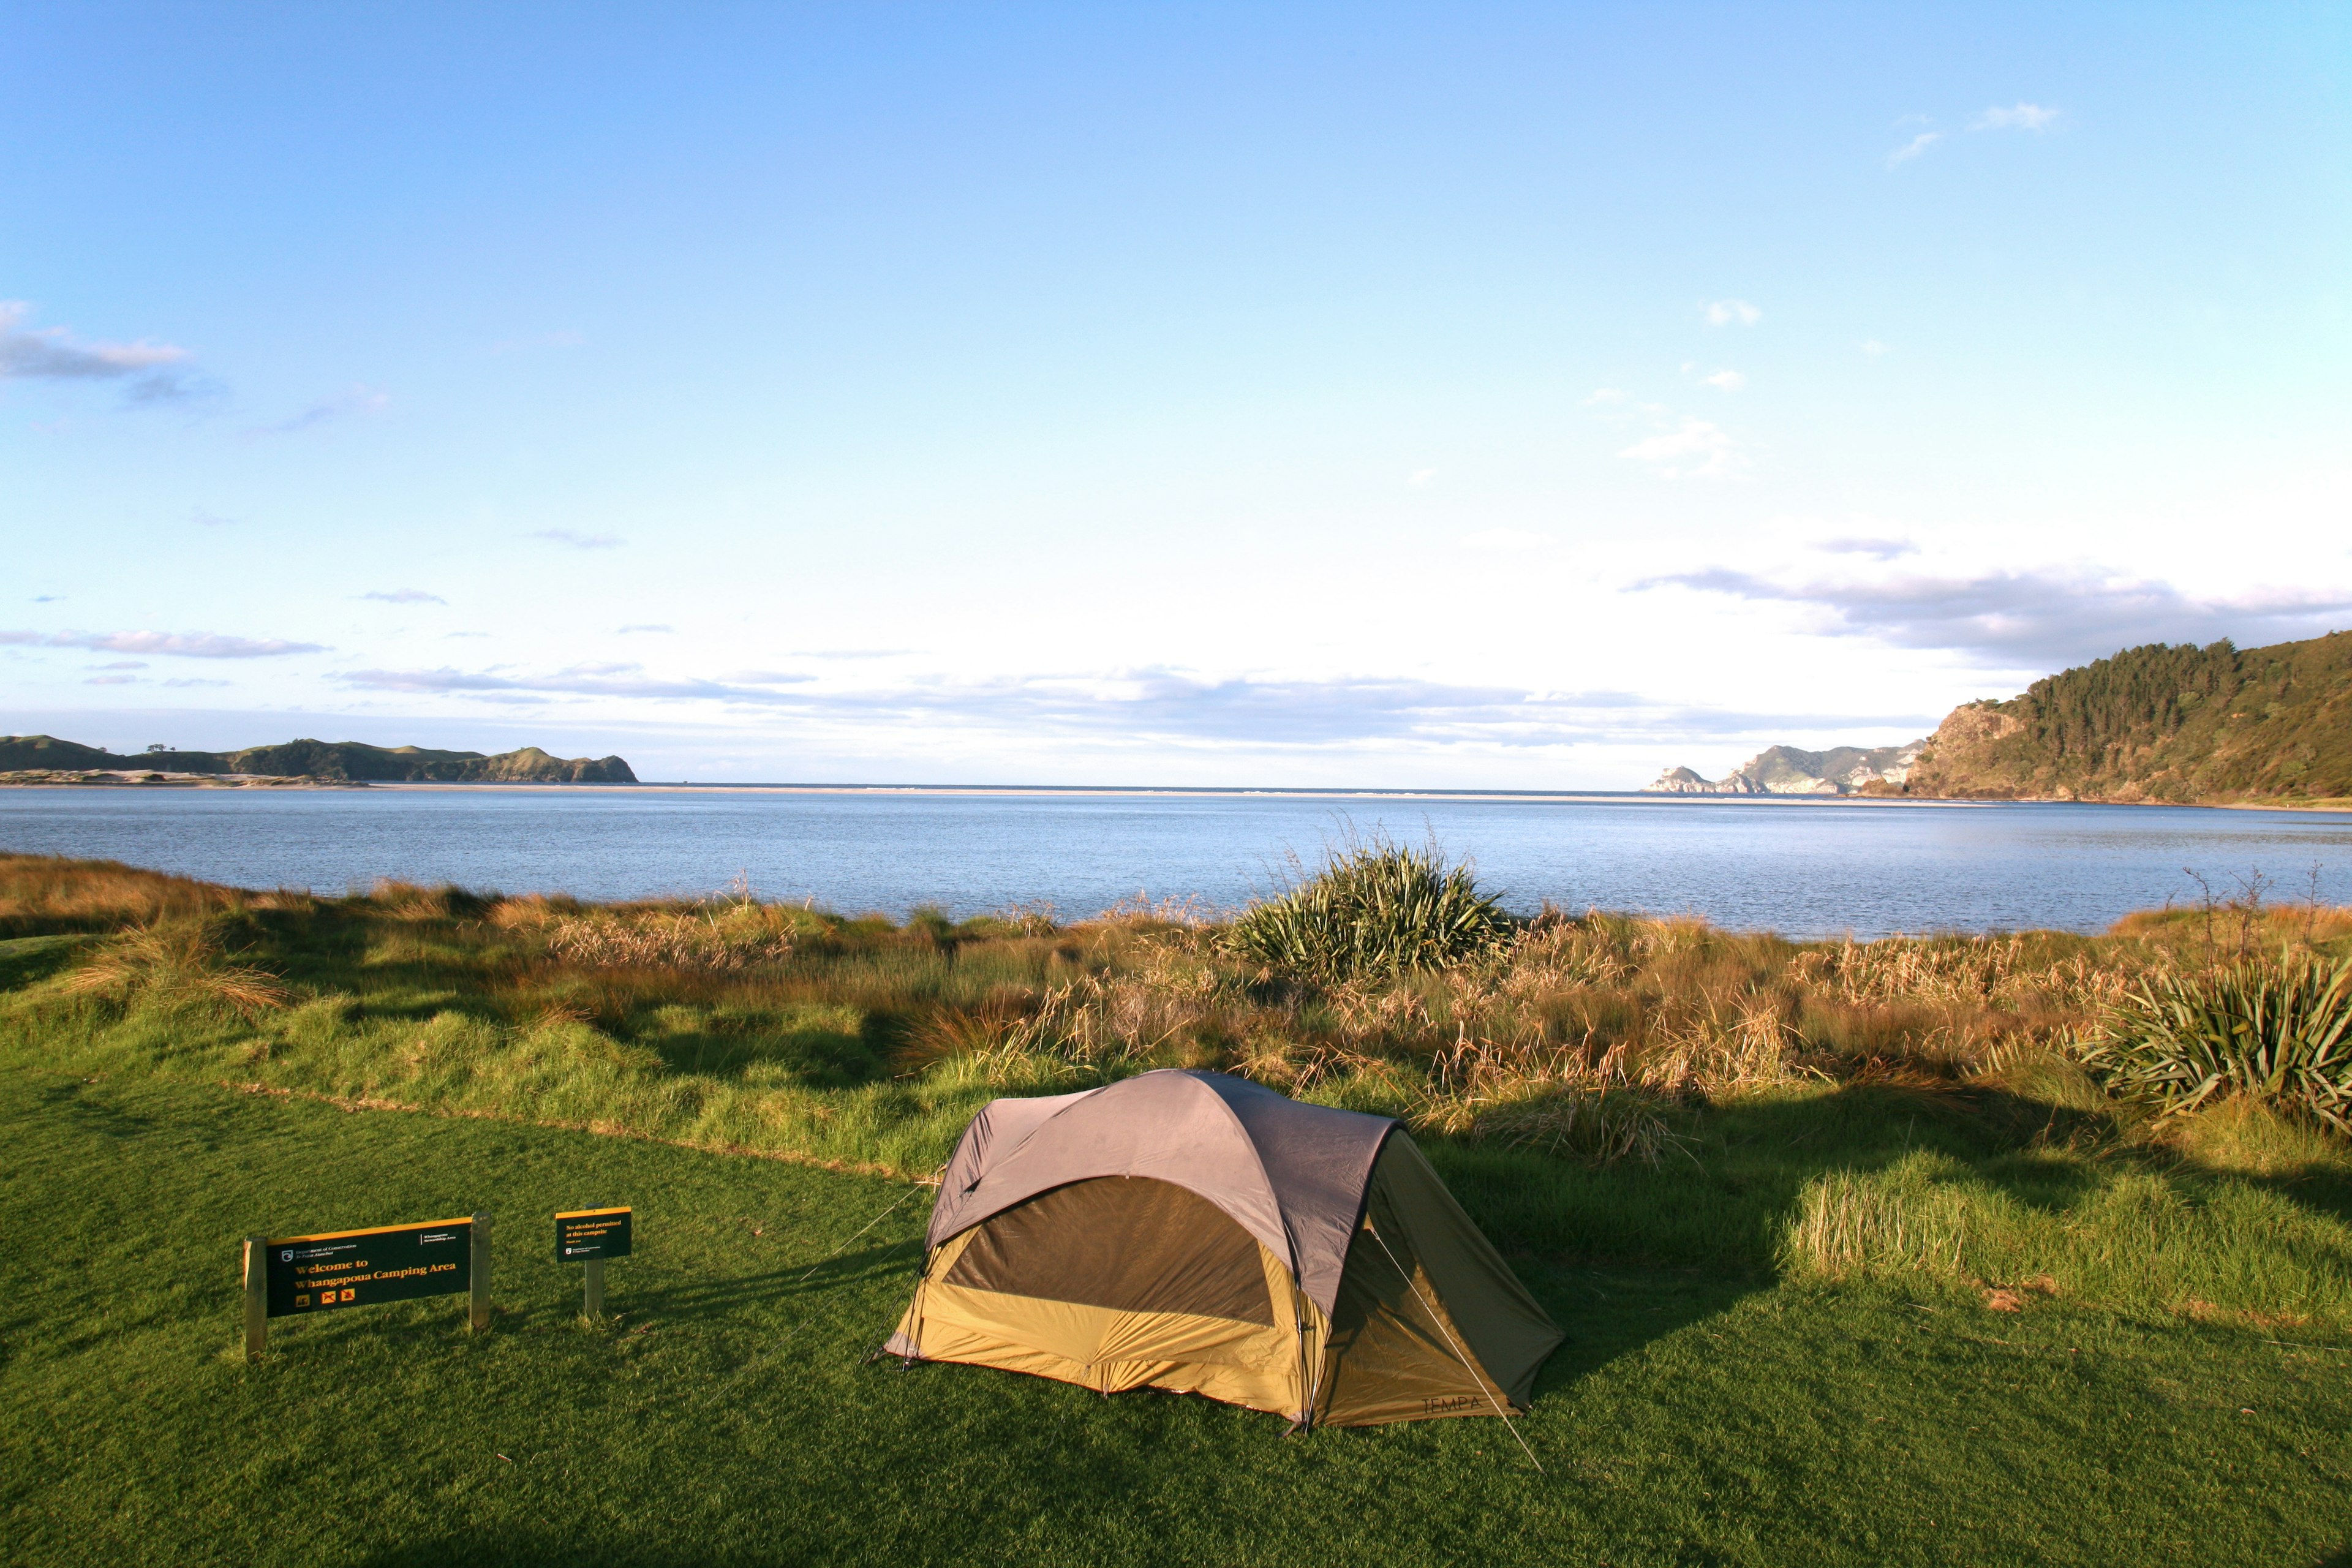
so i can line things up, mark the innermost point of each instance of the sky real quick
(1351, 396)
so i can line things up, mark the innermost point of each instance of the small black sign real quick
(583, 1234)
(361, 1267)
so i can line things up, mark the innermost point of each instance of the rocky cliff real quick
(327, 760)
(1789, 770)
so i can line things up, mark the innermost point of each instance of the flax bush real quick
(2276, 1030)
(1375, 909)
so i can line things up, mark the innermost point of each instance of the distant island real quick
(1789, 770)
(317, 762)
(2171, 723)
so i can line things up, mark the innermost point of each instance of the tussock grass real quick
(1595, 1086)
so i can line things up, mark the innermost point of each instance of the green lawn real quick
(726, 1415)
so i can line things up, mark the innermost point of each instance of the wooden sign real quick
(293, 1276)
(362, 1268)
(584, 1234)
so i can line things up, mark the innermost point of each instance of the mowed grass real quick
(726, 1415)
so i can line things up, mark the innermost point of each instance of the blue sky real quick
(1278, 395)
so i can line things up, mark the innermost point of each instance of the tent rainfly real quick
(1197, 1233)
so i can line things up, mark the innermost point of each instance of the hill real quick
(327, 760)
(1790, 770)
(2170, 723)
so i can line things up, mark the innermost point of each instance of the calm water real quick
(1801, 869)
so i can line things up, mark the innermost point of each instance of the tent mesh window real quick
(1127, 1243)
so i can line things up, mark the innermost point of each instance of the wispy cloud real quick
(123, 664)
(1872, 347)
(1696, 446)
(2016, 117)
(194, 680)
(1912, 147)
(1727, 380)
(1161, 705)
(182, 645)
(110, 680)
(1725, 313)
(49, 598)
(1421, 476)
(1876, 549)
(600, 680)
(356, 401)
(2040, 618)
(646, 626)
(1601, 397)
(572, 539)
(404, 596)
(148, 372)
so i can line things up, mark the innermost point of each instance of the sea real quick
(1802, 866)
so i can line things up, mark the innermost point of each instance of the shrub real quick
(2279, 1031)
(1376, 909)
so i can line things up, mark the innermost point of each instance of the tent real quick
(1198, 1233)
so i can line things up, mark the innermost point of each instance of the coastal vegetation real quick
(2172, 722)
(2176, 725)
(342, 760)
(2140, 1118)
(1829, 1224)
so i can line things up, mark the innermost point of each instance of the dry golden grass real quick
(177, 962)
(1585, 1034)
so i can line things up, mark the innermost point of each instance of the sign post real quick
(256, 1296)
(589, 1236)
(477, 1293)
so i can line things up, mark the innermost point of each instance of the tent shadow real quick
(714, 1297)
(1611, 1313)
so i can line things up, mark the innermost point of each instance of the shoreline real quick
(135, 779)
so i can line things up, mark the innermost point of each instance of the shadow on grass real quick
(892, 1260)
(1721, 1206)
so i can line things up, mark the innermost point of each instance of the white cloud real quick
(51, 353)
(1877, 549)
(1728, 380)
(1723, 312)
(1912, 147)
(194, 680)
(2044, 618)
(646, 626)
(404, 596)
(575, 540)
(1421, 476)
(1697, 447)
(111, 681)
(1872, 347)
(184, 645)
(1601, 394)
(2016, 117)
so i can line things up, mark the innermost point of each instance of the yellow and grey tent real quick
(1198, 1233)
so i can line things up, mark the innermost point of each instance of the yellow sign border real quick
(589, 1214)
(372, 1230)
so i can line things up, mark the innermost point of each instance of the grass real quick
(724, 1415)
(1853, 1251)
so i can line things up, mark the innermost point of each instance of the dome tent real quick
(1198, 1233)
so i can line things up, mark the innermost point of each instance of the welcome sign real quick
(363, 1268)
